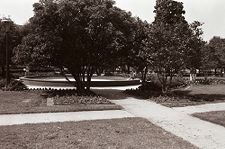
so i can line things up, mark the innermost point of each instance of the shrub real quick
(209, 81)
(2, 83)
(14, 85)
(204, 81)
(109, 74)
(74, 99)
(150, 86)
(178, 82)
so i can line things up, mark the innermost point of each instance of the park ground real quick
(115, 133)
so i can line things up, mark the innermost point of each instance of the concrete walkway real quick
(201, 108)
(16, 119)
(198, 132)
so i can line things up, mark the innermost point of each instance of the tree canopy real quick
(15, 38)
(171, 39)
(87, 35)
(79, 35)
(213, 54)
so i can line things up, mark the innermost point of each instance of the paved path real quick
(202, 108)
(16, 119)
(198, 132)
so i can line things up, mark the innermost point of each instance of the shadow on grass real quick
(200, 97)
(178, 98)
(112, 94)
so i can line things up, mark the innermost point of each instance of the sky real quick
(209, 12)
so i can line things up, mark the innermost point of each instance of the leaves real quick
(172, 42)
(82, 36)
(213, 54)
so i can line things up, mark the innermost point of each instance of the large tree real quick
(193, 53)
(213, 54)
(79, 35)
(15, 36)
(169, 41)
(137, 55)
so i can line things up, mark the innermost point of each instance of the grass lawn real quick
(193, 95)
(217, 117)
(189, 96)
(135, 133)
(210, 91)
(32, 102)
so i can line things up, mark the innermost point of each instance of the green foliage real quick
(195, 45)
(13, 86)
(171, 39)
(151, 86)
(82, 36)
(14, 35)
(214, 54)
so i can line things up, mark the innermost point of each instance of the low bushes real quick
(209, 81)
(155, 85)
(14, 85)
(71, 97)
(154, 88)
(71, 100)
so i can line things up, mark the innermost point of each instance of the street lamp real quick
(6, 24)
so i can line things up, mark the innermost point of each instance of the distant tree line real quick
(88, 36)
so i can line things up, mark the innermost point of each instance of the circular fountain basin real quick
(62, 83)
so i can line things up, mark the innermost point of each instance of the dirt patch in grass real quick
(217, 117)
(12, 102)
(135, 133)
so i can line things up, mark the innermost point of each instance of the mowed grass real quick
(207, 90)
(19, 102)
(188, 96)
(217, 117)
(33, 102)
(194, 95)
(135, 133)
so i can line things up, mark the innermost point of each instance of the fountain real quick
(62, 83)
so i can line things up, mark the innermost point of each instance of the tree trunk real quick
(221, 72)
(163, 81)
(128, 69)
(88, 84)
(99, 71)
(192, 75)
(164, 88)
(144, 75)
(79, 84)
(3, 71)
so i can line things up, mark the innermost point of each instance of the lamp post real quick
(7, 23)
